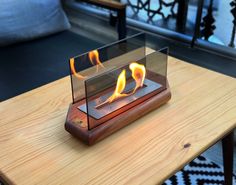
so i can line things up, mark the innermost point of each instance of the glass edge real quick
(113, 43)
(71, 83)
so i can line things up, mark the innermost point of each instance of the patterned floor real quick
(200, 171)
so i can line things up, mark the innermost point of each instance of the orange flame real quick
(138, 74)
(94, 59)
(72, 67)
(120, 86)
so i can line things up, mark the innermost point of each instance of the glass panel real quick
(124, 86)
(104, 59)
(156, 62)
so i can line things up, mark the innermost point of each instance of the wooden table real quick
(35, 148)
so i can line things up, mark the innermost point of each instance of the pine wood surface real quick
(35, 148)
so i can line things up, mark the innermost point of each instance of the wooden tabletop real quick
(35, 148)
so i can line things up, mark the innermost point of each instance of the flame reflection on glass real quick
(94, 59)
(72, 67)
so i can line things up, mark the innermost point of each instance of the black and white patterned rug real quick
(200, 171)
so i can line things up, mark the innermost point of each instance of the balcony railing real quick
(206, 23)
(209, 20)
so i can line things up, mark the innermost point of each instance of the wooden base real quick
(76, 121)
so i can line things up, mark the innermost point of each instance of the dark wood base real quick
(76, 122)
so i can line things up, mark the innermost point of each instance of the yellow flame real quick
(94, 59)
(120, 86)
(72, 67)
(138, 74)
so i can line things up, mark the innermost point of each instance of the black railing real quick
(199, 23)
(180, 15)
(233, 11)
(207, 26)
(207, 14)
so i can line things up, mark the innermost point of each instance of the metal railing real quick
(199, 23)
(205, 25)
(208, 24)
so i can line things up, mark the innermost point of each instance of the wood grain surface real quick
(35, 148)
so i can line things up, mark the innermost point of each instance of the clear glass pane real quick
(103, 59)
(126, 85)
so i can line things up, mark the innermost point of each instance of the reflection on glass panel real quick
(99, 61)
